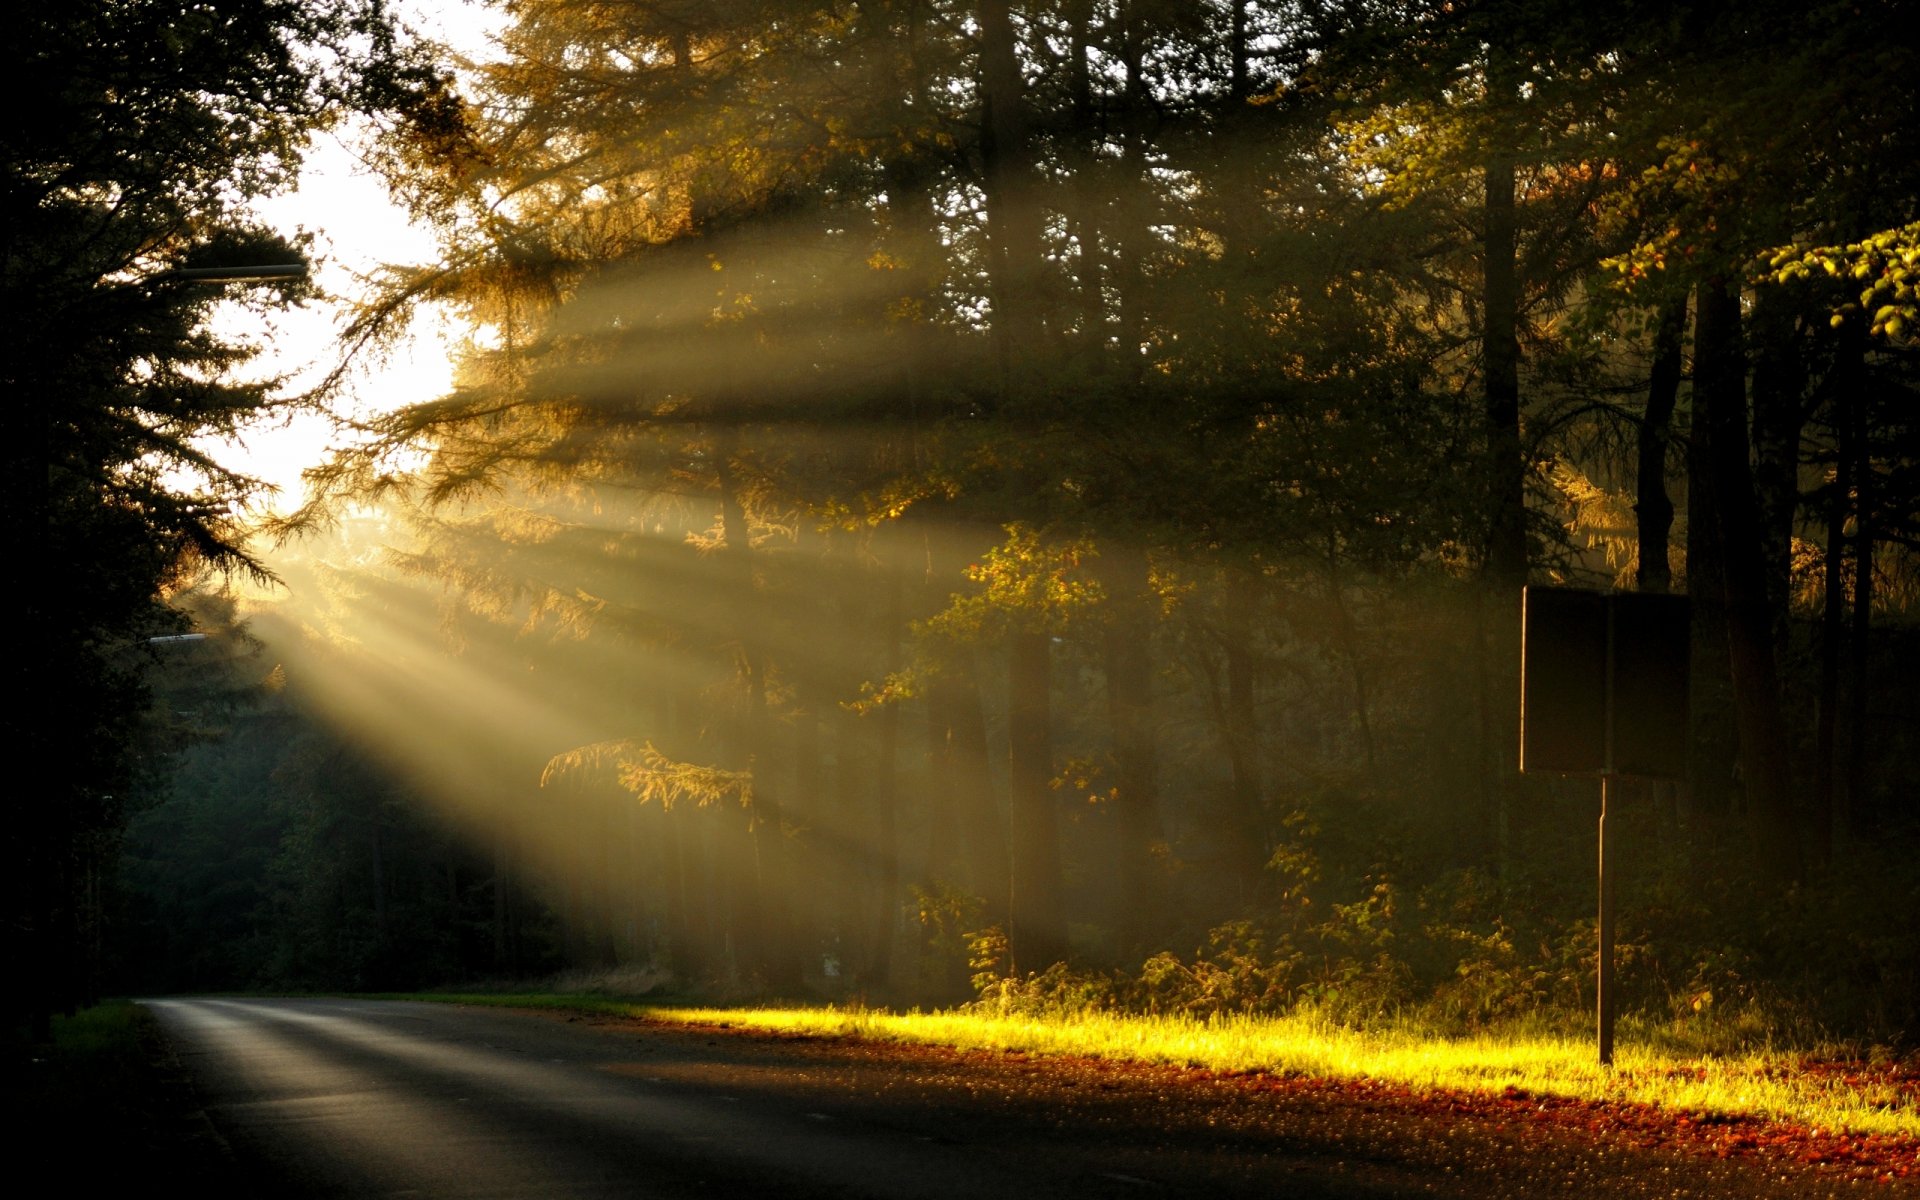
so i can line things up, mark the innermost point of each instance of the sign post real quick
(1603, 692)
(1603, 1007)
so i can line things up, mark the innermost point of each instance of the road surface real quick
(351, 1098)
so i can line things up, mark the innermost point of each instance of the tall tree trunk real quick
(723, 846)
(1711, 779)
(1014, 241)
(1129, 670)
(1831, 803)
(1037, 928)
(1860, 637)
(808, 863)
(1505, 567)
(682, 957)
(1506, 561)
(1653, 507)
(1720, 396)
(1239, 54)
(886, 784)
(1242, 729)
(1090, 188)
(1779, 384)
(851, 858)
(765, 938)
(984, 826)
(505, 944)
(1131, 221)
(686, 927)
(376, 848)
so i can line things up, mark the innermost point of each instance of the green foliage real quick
(1237, 972)
(1880, 275)
(951, 929)
(1467, 955)
(1024, 583)
(655, 777)
(650, 776)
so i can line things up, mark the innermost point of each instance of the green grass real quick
(99, 1052)
(1768, 1083)
(104, 1105)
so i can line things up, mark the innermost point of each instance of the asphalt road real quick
(349, 1098)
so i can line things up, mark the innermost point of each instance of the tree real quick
(151, 129)
(1740, 175)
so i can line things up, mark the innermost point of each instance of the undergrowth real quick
(1799, 1005)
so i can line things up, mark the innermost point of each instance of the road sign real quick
(1603, 683)
(1603, 691)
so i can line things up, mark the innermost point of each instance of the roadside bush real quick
(1832, 962)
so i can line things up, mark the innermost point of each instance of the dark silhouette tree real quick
(149, 131)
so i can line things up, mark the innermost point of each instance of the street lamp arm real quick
(252, 274)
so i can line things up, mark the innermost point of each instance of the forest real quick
(977, 500)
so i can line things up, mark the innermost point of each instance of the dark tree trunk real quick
(1831, 803)
(1505, 566)
(506, 943)
(1347, 632)
(764, 939)
(682, 958)
(1241, 730)
(985, 830)
(852, 859)
(1129, 670)
(1014, 241)
(1240, 77)
(886, 783)
(809, 866)
(1711, 781)
(1037, 928)
(1506, 562)
(1653, 507)
(1779, 384)
(1036, 924)
(377, 851)
(1720, 396)
(1089, 191)
(1131, 220)
(687, 932)
(1860, 636)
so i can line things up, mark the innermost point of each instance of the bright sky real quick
(356, 229)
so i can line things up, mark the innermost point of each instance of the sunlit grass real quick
(1769, 1084)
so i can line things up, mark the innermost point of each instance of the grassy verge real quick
(105, 1107)
(96, 1070)
(1797, 1087)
